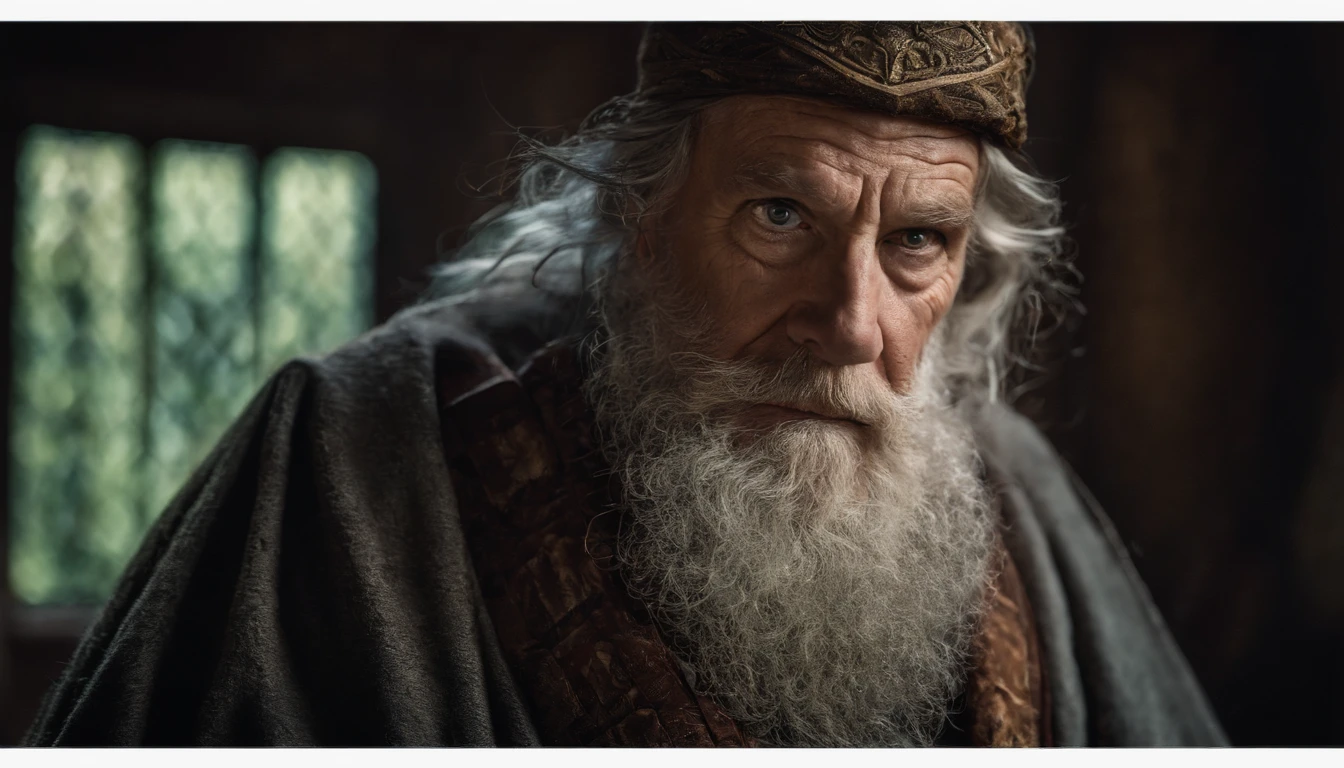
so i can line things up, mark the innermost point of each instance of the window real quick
(155, 289)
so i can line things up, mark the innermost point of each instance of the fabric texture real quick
(968, 73)
(1006, 701)
(311, 583)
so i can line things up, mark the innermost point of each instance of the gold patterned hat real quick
(968, 73)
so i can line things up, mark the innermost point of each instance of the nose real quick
(836, 318)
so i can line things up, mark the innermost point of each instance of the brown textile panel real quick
(1005, 693)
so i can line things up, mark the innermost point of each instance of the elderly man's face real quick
(799, 505)
(804, 224)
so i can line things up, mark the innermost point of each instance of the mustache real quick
(800, 381)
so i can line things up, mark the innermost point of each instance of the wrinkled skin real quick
(804, 224)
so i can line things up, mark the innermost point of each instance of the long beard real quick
(819, 580)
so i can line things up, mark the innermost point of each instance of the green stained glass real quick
(77, 394)
(148, 310)
(316, 252)
(204, 337)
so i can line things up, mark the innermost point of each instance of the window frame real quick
(37, 641)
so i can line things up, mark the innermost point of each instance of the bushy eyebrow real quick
(939, 211)
(766, 176)
(772, 177)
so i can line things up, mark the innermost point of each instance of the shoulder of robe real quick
(1013, 441)
(331, 492)
(396, 366)
(1117, 676)
(457, 341)
(1023, 461)
(1021, 457)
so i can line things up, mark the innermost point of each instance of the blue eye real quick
(779, 214)
(917, 239)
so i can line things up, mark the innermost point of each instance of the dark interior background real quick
(1200, 396)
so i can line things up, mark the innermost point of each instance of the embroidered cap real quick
(968, 73)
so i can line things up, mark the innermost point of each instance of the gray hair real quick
(579, 204)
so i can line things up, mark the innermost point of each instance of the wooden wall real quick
(1201, 167)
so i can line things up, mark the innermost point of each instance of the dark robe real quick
(312, 583)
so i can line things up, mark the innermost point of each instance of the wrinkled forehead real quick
(750, 133)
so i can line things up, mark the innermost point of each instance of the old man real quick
(700, 444)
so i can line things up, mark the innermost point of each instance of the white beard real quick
(819, 580)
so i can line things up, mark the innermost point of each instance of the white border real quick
(661, 10)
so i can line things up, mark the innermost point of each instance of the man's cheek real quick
(744, 309)
(730, 279)
(934, 302)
